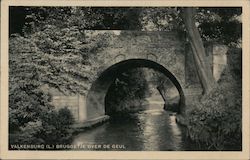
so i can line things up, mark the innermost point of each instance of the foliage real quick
(217, 24)
(54, 42)
(118, 18)
(126, 91)
(216, 119)
(58, 51)
(81, 17)
(45, 51)
(56, 127)
(26, 100)
(38, 17)
(161, 19)
(27, 134)
(162, 82)
(220, 24)
(52, 127)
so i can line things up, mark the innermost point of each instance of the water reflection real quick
(150, 130)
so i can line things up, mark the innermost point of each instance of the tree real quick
(128, 88)
(220, 24)
(54, 48)
(203, 68)
(48, 47)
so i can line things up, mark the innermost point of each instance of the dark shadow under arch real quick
(95, 101)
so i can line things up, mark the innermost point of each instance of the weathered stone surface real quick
(162, 51)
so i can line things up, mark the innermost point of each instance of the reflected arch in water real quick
(95, 101)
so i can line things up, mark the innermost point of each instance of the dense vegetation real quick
(32, 119)
(50, 127)
(51, 46)
(215, 120)
(47, 53)
(127, 92)
(219, 24)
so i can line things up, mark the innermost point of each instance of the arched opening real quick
(95, 102)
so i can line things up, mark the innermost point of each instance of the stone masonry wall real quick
(166, 48)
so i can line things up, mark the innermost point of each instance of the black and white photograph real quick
(125, 78)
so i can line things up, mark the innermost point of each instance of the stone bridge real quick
(166, 52)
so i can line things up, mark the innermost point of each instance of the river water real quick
(151, 130)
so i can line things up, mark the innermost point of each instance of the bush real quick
(216, 119)
(52, 128)
(27, 134)
(56, 127)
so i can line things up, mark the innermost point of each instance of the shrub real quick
(56, 127)
(52, 128)
(215, 120)
(27, 134)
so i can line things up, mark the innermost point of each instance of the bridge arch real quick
(95, 100)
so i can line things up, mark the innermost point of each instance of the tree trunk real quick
(162, 93)
(203, 67)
